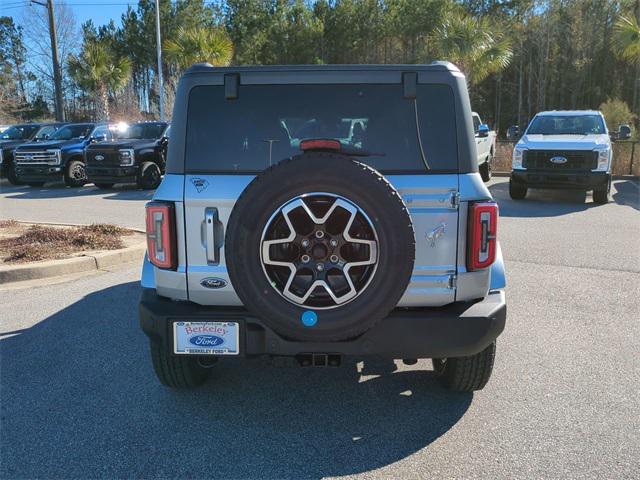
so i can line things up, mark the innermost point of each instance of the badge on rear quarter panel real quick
(212, 282)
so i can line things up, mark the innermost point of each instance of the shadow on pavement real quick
(79, 398)
(540, 203)
(59, 190)
(627, 192)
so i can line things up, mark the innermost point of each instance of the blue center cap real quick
(309, 318)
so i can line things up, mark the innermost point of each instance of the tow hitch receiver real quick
(319, 360)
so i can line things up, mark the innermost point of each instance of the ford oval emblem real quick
(99, 157)
(558, 160)
(206, 340)
(212, 282)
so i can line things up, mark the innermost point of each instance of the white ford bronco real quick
(318, 212)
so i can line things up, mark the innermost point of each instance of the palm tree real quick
(627, 39)
(473, 44)
(199, 44)
(99, 72)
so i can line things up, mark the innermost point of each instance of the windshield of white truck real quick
(566, 125)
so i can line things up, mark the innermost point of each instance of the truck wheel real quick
(485, 169)
(149, 177)
(12, 176)
(601, 195)
(315, 258)
(104, 186)
(75, 174)
(176, 372)
(466, 374)
(517, 192)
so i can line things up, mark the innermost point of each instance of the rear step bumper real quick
(459, 329)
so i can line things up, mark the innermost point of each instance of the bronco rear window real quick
(266, 124)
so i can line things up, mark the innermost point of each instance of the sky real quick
(100, 11)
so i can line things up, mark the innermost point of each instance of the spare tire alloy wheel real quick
(320, 247)
(334, 250)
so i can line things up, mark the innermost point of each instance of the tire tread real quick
(176, 372)
(468, 374)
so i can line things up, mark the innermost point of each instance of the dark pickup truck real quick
(61, 157)
(138, 155)
(17, 135)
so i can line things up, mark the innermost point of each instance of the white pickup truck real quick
(568, 149)
(485, 146)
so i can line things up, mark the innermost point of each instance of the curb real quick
(66, 266)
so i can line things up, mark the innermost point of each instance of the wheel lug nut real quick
(319, 234)
(305, 243)
(305, 258)
(320, 267)
(334, 258)
(333, 242)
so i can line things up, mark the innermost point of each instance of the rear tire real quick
(466, 374)
(149, 177)
(176, 372)
(104, 186)
(75, 174)
(485, 169)
(517, 192)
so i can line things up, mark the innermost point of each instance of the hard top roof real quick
(438, 66)
(569, 112)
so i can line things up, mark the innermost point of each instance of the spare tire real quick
(320, 247)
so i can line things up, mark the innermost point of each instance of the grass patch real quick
(8, 223)
(39, 242)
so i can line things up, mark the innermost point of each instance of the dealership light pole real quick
(159, 50)
(57, 75)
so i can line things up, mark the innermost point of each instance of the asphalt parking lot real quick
(79, 398)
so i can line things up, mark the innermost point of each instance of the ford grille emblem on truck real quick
(99, 157)
(212, 282)
(558, 159)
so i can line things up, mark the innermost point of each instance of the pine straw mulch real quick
(20, 243)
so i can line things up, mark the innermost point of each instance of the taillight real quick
(482, 235)
(161, 235)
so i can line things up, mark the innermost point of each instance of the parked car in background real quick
(513, 133)
(485, 146)
(568, 149)
(16, 135)
(61, 157)
(137, 155)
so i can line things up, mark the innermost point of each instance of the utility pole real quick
(57, 75)
(159, 50)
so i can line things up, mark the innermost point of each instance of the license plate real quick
(206, 338)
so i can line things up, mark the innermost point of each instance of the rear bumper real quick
(458, 329)
(564, 180)
(113, 174)
(38, 173)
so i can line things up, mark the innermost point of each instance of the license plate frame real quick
(216, 338)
